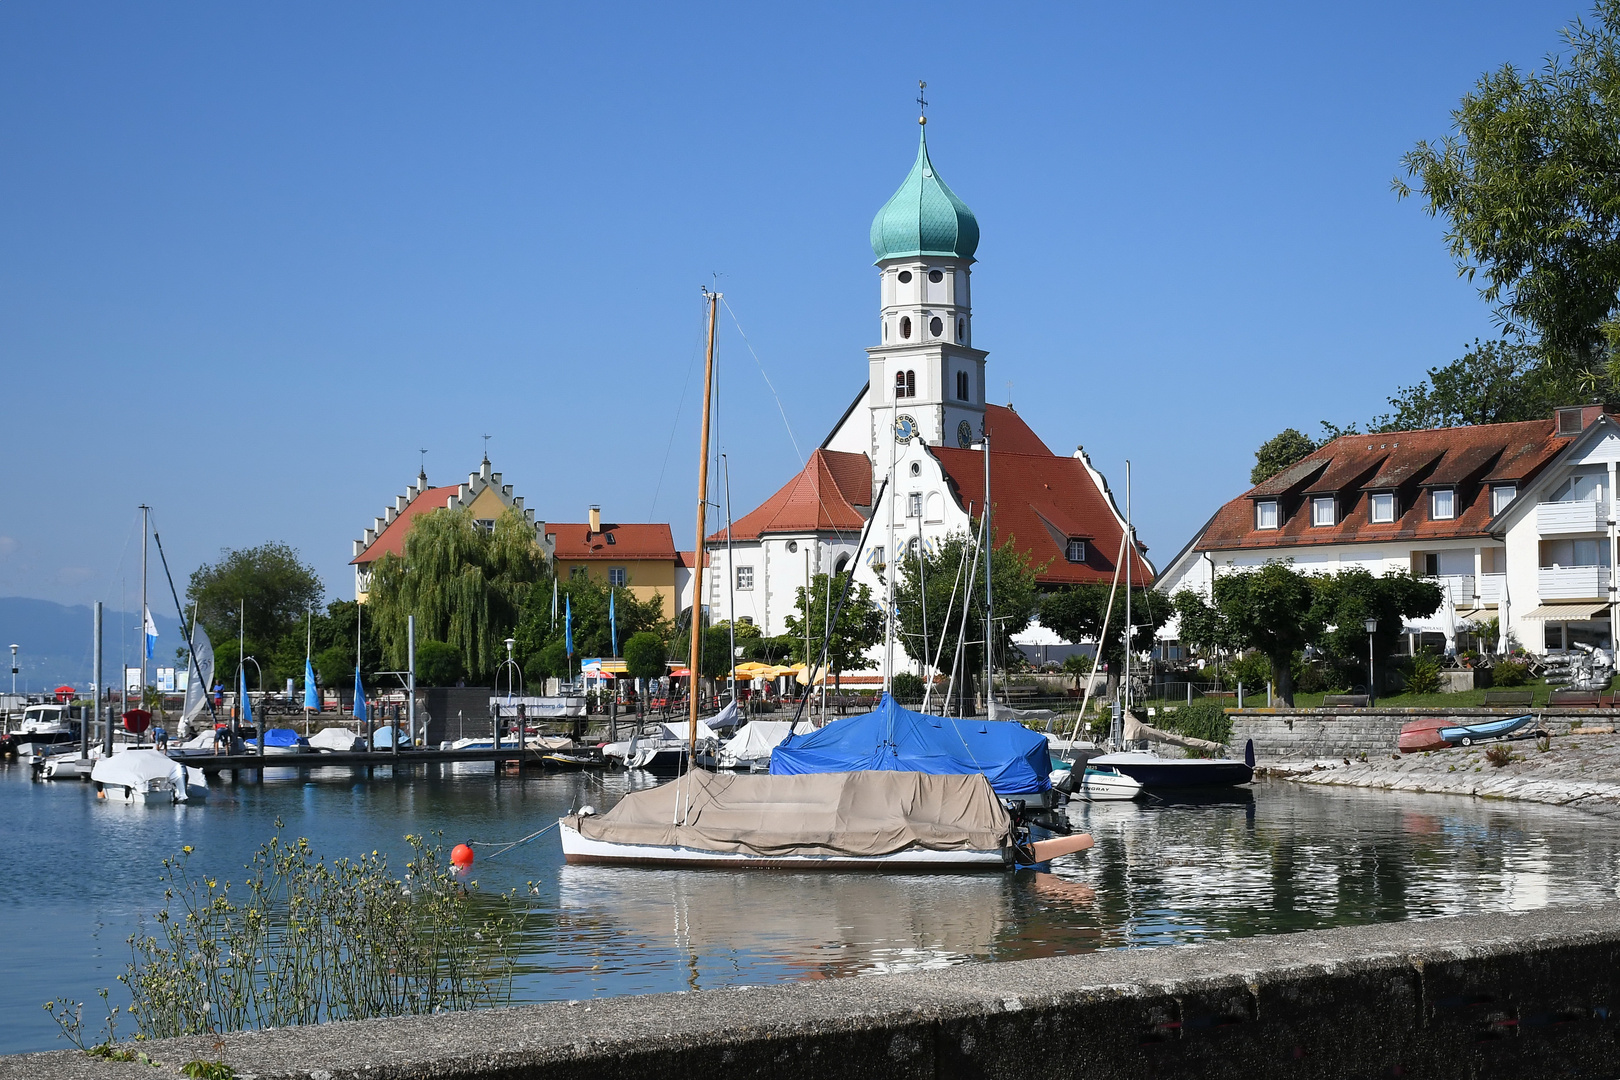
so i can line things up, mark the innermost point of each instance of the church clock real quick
(964, 434)
(905, 429)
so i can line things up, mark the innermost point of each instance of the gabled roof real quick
(391, 541)
(1467, 458)
(625, 543)
(1040, 501)
(822, 497)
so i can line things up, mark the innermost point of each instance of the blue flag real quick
(312, 696)
(359, 696)
(247, 702)
(613, 626)
(151, 633)
(568, 624)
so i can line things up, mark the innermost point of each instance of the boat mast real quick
(731, 583)
(695, 630)
(890, 563)
(146, 512)
(989, 544)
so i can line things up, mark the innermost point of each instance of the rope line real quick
(508, 845)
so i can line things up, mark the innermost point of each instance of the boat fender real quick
(587, 811)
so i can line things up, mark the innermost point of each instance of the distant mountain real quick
(54, 643)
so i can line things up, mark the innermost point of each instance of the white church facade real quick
(920, 421)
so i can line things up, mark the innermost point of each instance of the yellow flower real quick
(186, 849)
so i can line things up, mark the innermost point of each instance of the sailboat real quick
(906, 820)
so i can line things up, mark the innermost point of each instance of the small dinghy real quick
(1091, 783)
(1438, 733)
(821, 821)
(147, 776)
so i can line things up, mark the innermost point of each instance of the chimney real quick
(596, 519)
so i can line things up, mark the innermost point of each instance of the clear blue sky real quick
(252, 257)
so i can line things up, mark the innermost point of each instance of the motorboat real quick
(1154, 772)
(66, 767)
(147, 776)
(1091, 783)
(284, 741)
(887, 820)
(41, 726)
(665, 751)
(336, 740)
(750, 748)
(1438, 733)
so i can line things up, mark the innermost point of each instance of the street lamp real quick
(14, 671)
(1372, 626)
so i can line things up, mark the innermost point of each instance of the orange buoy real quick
(461, 855)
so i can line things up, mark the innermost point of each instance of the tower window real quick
(935, 276)
(961, 386)
(916, 468)
(911, 384)
(745, 578)
(905, 326)
(935, 326)
(961, 329)
(905, 277)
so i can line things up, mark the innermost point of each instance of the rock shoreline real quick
(1576, 770)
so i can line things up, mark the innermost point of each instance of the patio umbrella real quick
(1448, 623)
(1502, 621)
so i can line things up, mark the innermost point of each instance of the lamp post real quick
(514, 675)
(14, 671)
(1372, 626)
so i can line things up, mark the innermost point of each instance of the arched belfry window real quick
(961, 386)
(899, 384)
(905, 326)
(911, 384)
(961, 329)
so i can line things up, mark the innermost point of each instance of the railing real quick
(1490, 588)
(1460, 587)
(1584, 516)
(1572, 582)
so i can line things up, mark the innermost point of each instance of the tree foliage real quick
(644, 655)
(437, 664)
(1270, 609)
(541, 645)
(273, 591)
(466, 587)
(1344, 601)
(1015, 594)
(1076, 612)
(1279, 452)
(1529, 182)
(859, 625)
(1495, 382)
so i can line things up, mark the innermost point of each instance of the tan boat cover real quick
(855, 813)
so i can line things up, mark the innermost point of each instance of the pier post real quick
(95, 690)
(410, 676)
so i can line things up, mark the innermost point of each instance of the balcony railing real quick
(1572, 517)
(1460, 587)
(1490, 588)
(1573, 582)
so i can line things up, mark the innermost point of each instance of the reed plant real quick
(301, 940)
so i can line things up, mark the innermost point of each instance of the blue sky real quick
(252, 258)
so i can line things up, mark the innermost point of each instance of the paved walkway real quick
(1576, 770)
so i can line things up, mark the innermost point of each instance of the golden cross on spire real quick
(922, 103)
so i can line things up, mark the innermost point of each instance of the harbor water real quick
(81, 875)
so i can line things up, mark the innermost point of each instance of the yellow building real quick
(639, 557)
(483, 495)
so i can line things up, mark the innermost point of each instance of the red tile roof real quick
(689, 559)
(1410, 463)
(623, 542)
(822, 498)
(391, 541)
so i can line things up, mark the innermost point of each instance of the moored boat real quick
(832, 821)
(1153, 771)
(147, 776)
(1438, 733)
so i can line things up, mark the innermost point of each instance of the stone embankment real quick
(1524, 996)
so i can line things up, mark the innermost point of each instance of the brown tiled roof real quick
(822, 497)
(689, 559)
(623, 542)
(1467, 458)
(391, 541)
(1041, 500)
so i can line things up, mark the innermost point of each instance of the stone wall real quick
(1281, 734)
(1523, 996)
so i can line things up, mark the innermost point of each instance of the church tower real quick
(926, 368)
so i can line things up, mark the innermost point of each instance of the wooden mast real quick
(695, 628)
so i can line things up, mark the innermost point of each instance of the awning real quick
(1584, 611)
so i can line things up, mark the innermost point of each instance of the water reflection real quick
(1281, 858)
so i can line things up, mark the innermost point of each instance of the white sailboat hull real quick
(581, 849)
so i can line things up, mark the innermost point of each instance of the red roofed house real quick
(641, 558)
(483, 494)
(922, 419)
(1511, 519)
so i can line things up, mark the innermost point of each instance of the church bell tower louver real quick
(925, 368)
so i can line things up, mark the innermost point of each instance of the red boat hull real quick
(1423, 734)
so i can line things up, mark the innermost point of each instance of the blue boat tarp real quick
(890, 738)
(280, 736)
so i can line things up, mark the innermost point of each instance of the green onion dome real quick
(924, 217)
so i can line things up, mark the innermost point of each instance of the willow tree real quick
(466, 586)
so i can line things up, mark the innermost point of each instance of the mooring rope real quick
(506, 846)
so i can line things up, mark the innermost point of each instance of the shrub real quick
(1510, 673)
(907, 687)
(1423, 675)
(1499, 755)
(1077, 664)
(437, 664)
(1314, 677)
(1200, 720)
(1252, 669)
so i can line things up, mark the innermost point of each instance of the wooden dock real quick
(528, 757)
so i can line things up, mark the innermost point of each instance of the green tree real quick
(644, 657)
(859, 625)
(1016, 596)
(1271, 609)
(1075, 613)
(271, 590)
(714, 652)
(541, 645)
(1344, 601)
(1279, 452)
(466, 587)
(1495, 382)
(333, 635)
(437, 664)
(1529, 182)
(1202, 626)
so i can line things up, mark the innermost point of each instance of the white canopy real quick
(136, 769)
(682, 731)
(757, 738)
(338, 739)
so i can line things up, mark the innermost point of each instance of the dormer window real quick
(1501, 496)
(1075, 552)
(1265, 514)
(1324, 511)
(1381, 507)
(1443, 504)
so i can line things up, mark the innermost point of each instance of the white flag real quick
(151, 634)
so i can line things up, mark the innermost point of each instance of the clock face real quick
(905, 429)
(964, 434)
